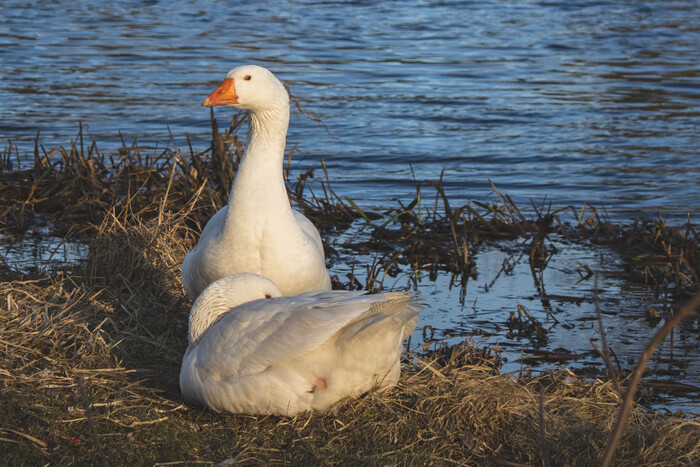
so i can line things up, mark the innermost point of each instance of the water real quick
(582, 101)
(38, 251)
(561, 299)
(576, 101)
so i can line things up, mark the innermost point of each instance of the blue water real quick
(578, 101)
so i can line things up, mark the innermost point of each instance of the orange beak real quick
(223, 95)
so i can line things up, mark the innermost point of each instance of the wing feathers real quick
(265, 332)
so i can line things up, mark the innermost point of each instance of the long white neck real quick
(260, 171)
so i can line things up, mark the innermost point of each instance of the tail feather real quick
(399, 310)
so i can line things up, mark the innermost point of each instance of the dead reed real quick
(79, 188)
(450, 407)
(90, 357)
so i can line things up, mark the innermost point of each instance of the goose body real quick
(286, 355)
(258, 231)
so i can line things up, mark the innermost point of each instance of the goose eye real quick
(247, 77)
(267, 295)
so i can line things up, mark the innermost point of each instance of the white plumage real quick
(286, 355)
(258, 231)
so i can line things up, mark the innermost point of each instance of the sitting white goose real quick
(258, 231)
(287, 355)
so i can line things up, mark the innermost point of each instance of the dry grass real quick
(116, 325)
(450, 407)
(430, 234)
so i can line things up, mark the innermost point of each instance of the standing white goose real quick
(258, 231)
(291, 354)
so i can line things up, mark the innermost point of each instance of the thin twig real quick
(93, 430)
(605, 353)
(543, 433)
(167, 190)
(688, 310)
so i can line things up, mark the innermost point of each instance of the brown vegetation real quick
(90, 355)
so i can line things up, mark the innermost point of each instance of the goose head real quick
(249, 87)
(225, 294)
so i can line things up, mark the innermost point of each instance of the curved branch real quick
(688, 310)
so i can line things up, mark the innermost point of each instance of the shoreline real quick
(115, 324)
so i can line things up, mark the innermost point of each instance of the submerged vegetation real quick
(91, 352)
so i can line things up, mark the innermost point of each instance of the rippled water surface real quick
(574, 100)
